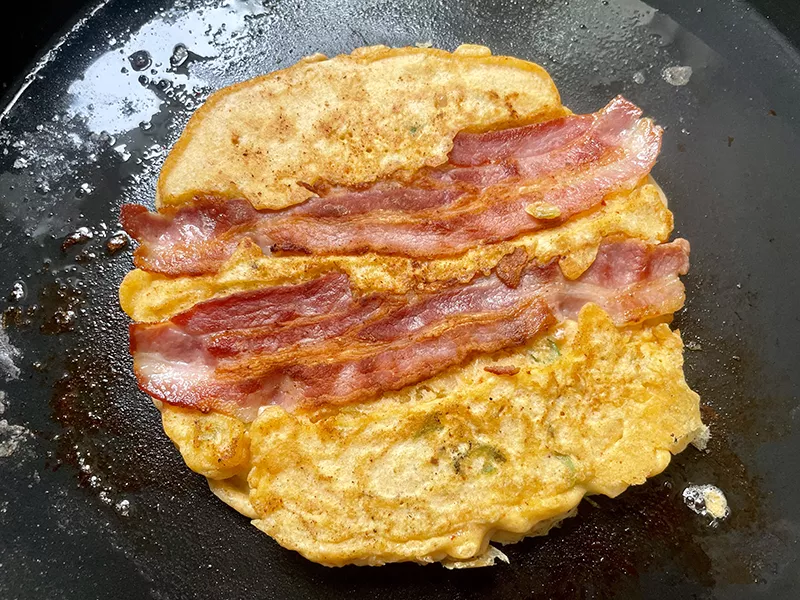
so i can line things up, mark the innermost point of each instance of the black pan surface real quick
(95, 502)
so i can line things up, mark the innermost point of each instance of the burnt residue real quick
(18, 316)
(118, 241)
(55, 311)
(98, 434)
(108, 431)
(79, 236)
(58, 307)
(727, 371)
(104, 429)
(611, 544)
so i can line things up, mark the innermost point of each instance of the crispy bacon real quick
(340, 202)
(356, 378)
(496, 186)
(272, 340)
(369, 345)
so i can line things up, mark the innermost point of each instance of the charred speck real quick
(79, 236)
(117, 242)
(58, 307)
(82, 406)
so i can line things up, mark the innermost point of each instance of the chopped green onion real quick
(567, 461)
(431, 423)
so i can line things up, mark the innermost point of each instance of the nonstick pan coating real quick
(95, 502)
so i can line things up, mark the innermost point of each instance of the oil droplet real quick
(84, 190)
(140, 60)
(123, 507)
(179, 55)
(707, 501)
(677, 76)
(638, 77)
(18, 291)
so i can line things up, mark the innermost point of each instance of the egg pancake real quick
(493, 435)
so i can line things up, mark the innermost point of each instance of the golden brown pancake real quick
(438, 470)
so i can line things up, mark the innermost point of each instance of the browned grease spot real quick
(502, 369)
(81, 236)
(18, 316)
(117, 242)
(58, 307)
(108, 442)
(509, 269)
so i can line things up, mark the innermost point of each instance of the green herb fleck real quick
(491, 457)
(554, 353)
(414, 129)
(431, 423)
(591, 502)
(488, 451)
(567, 461)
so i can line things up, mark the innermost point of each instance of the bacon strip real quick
(517, 181)
(268, 305)
(341, 202)
(470, 149)
(647, 286)
(499, 213)
(378, 343)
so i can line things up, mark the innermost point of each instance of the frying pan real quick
(94, 500)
